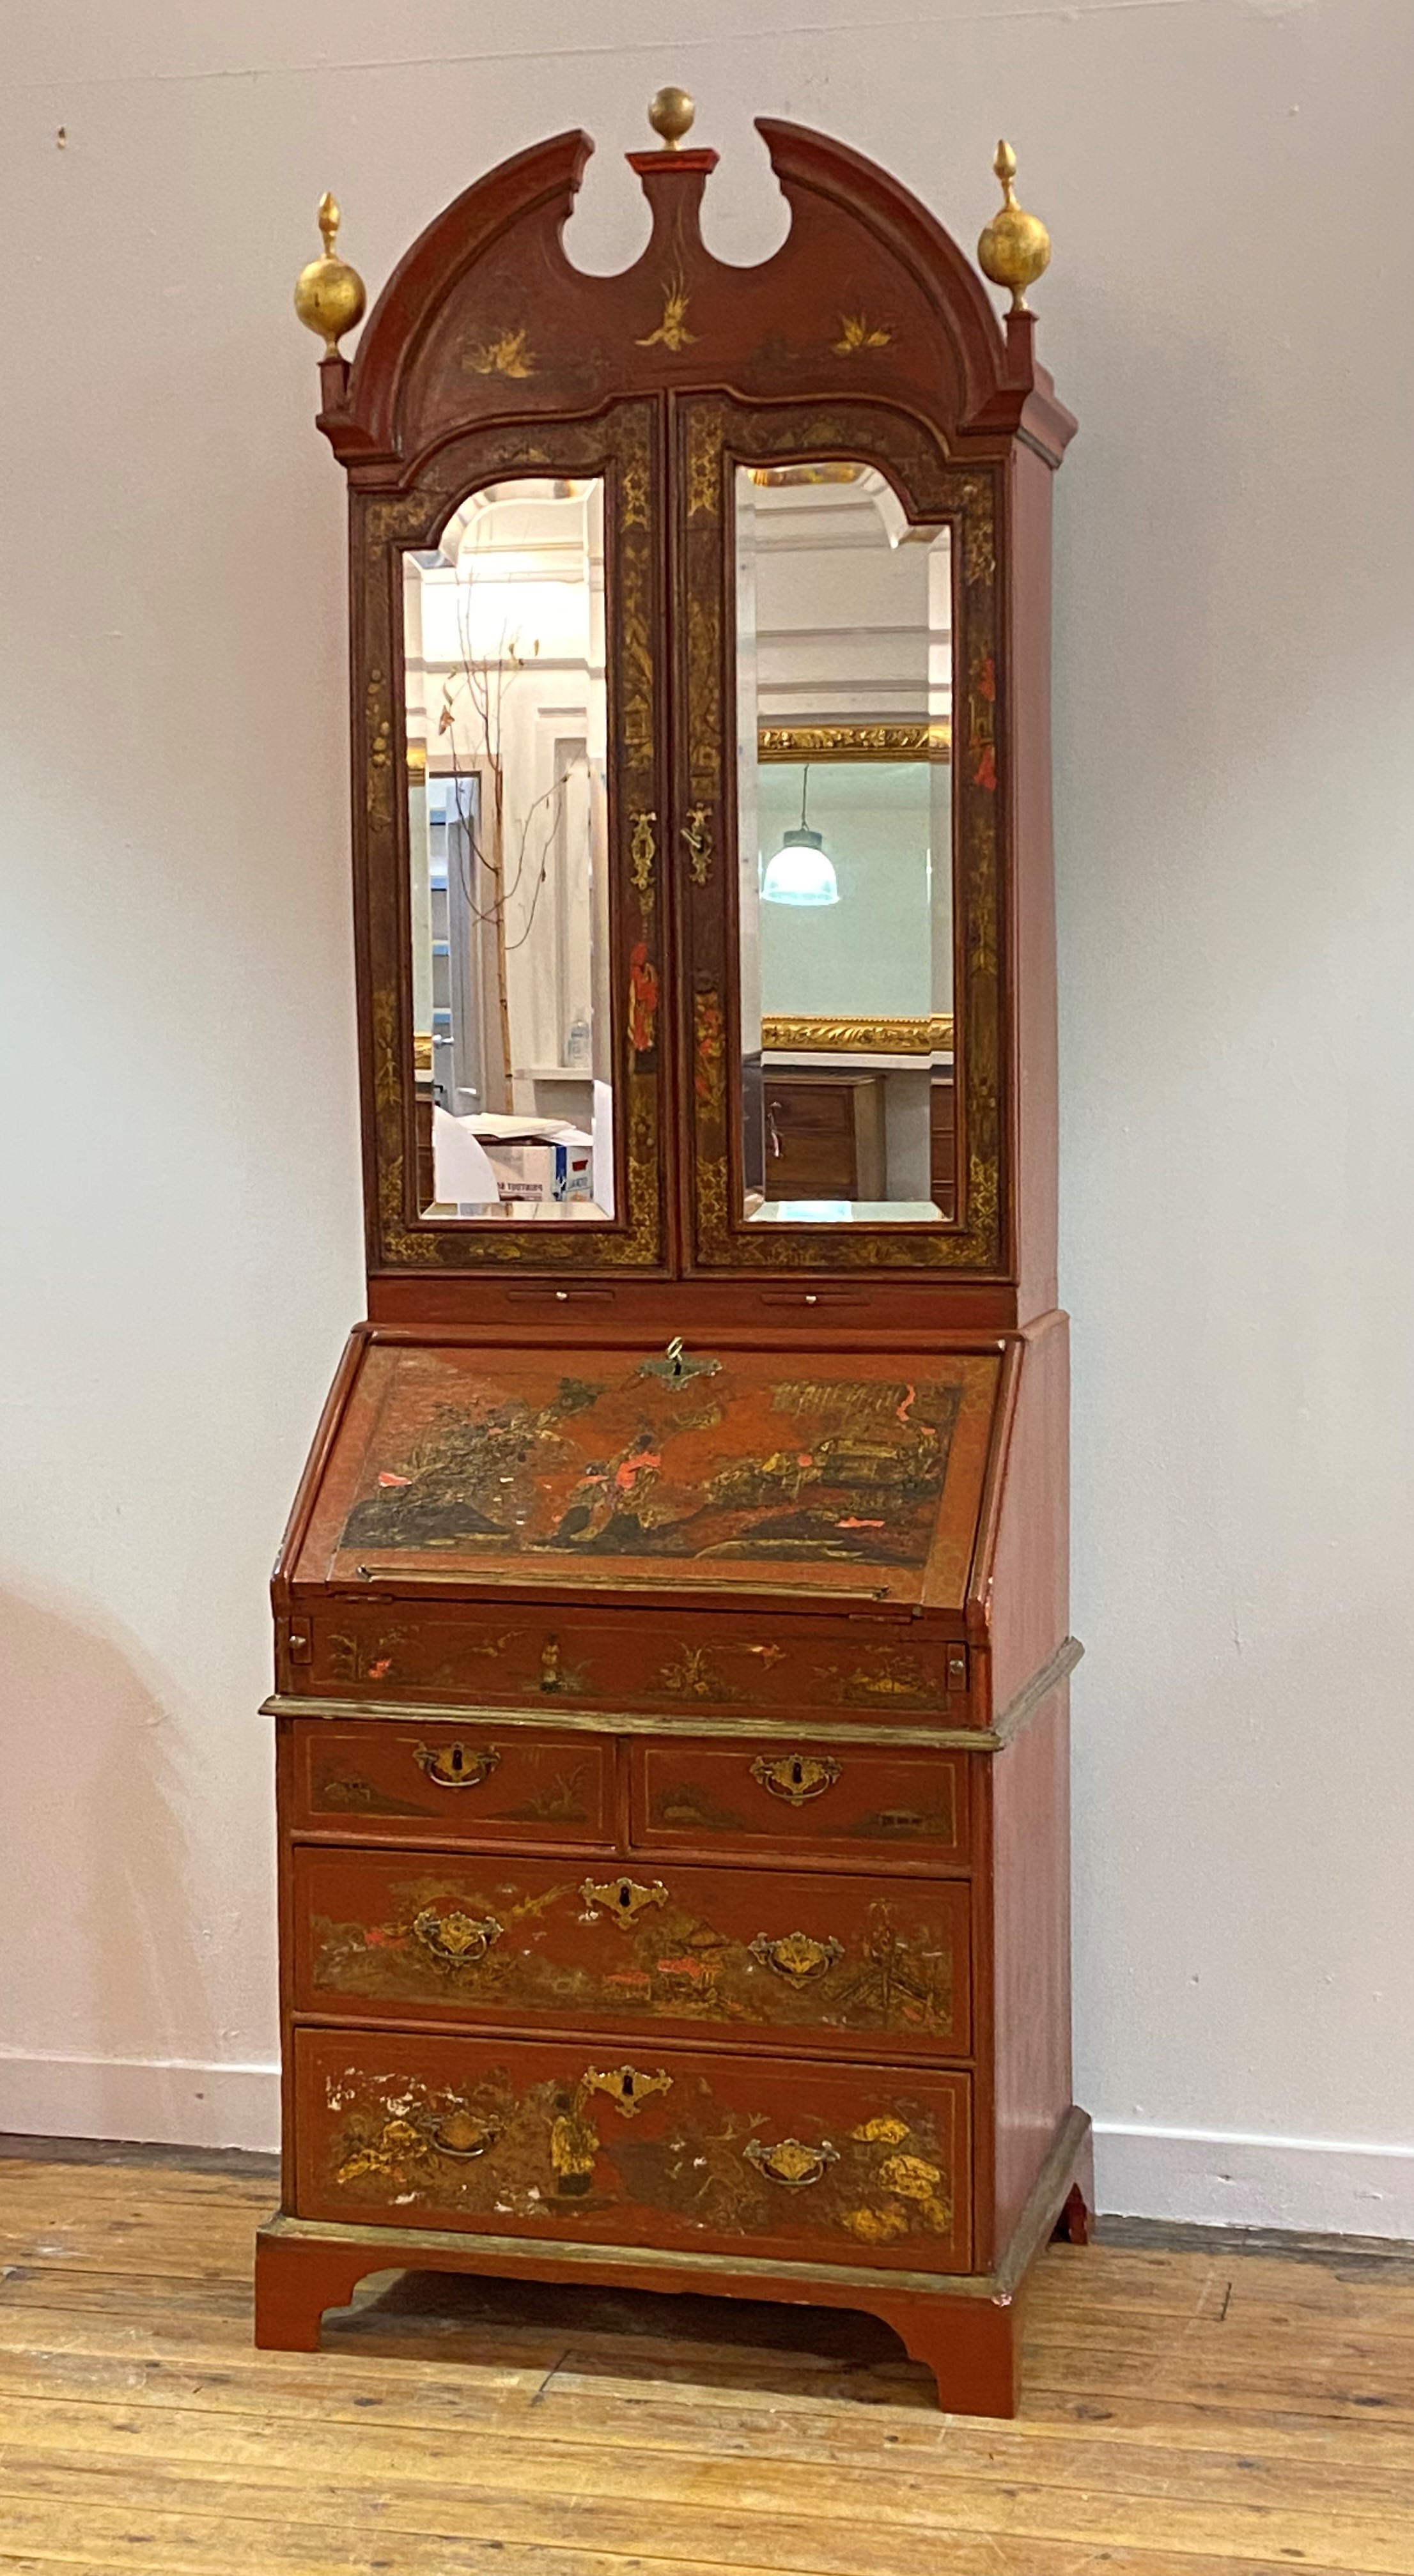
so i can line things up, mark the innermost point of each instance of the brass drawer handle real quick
(625, 2087)
(796, 1776)
(796, 1956)
(624, 1898)
(455, 1940)
(790, 2164)
(456, 1766)
(460, 2137)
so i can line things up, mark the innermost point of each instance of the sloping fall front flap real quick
(759, 1473)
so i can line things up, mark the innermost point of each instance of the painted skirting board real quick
(1212, 2178)
(173, 2102)
(1208, 2177)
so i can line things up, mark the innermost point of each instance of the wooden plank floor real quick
(1189, 2411)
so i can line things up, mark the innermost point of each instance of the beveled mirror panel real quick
(844, 653)
(504, 656)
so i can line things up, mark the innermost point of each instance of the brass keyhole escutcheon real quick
(457, 1765)
(455, 1940)
(626, 2086)
(796, 1956)
(624, 1898)
(796, 1777)
(791, 2164)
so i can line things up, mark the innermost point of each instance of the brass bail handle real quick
(797, 1956)
(790, 2163)
(460, 2137)
(456, 1940)
(456, 1766)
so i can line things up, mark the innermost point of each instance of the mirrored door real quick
(508, 807)
(511, 850)
(843, 970)
(844, 848)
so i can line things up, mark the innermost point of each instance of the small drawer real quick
(413, 1936)
(715, 2154)
(825, 1801)
(473, 1784)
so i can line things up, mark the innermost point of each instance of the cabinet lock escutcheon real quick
(456, 1766)
(795, 1777)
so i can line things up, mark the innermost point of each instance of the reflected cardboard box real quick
(539, 1168)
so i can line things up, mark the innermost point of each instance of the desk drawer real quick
(551, 2139)
(745, 1662)
(415, 1935)
(825, 1801)
(469, 1783)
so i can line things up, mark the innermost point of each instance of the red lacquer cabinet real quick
(671, 1628)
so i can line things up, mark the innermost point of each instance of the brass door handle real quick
(699, 842)
(460, 2137)
(624, 1898)
(455, 1940)
(643, 849)
(456, 1766)
(796, 1956)
(796, 1776)
(790, 2164)
(625, 2087)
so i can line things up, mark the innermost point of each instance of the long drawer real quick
(745, 1661)
(824, 1801)
(418, 1935)
(473, 1783)
(723, 2155)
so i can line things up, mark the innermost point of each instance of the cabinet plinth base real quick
(965, 2329)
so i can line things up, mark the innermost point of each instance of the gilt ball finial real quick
(329, 295)
(670, 114)
(1015, 249)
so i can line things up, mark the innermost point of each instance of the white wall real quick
(1236, 783)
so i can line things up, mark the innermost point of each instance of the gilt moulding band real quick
(784, 1033)
(855, 742)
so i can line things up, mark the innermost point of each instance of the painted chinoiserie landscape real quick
(518, 1464)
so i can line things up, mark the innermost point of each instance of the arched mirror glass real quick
(508, 895)
(844, 815)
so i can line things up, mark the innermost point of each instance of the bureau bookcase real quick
(672, 1648)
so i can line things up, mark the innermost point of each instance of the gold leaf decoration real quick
(672, 332)
(507, 355)
(877, 2226)
(910, 2176)
(883, 2132)
(857, 332)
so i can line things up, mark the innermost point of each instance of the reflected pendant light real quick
(802, 870)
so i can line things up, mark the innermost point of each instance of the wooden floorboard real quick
(1194, 2406)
